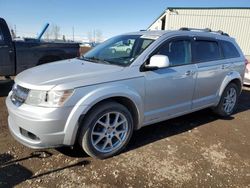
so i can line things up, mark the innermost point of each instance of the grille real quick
(19, 95)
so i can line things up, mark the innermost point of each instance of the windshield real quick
(121, 50)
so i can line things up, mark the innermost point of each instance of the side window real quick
(229, 50)
(1, 36)
(206, 51)
(178, 52)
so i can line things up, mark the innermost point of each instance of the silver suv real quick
(99, 99)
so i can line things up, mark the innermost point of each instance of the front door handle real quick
(188, 73)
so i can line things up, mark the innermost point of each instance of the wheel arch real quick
(126, 97)
(232, 77)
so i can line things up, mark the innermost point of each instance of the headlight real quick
(48, 98)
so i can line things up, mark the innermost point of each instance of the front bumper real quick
(37, 127)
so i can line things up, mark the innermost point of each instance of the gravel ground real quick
(196, 150)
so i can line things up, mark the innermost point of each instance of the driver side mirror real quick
(157, 62)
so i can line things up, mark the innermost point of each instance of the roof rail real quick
(222, 33)
(204, 30)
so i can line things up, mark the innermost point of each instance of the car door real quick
(211, 70)
(6, 56)
(169, 91)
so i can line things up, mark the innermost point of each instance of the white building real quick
(234, 21)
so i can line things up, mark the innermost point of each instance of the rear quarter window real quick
(229, 50)
(206, 50)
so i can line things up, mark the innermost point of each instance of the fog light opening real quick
(28, 134)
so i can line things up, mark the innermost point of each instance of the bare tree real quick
(98, 35)
(90, 36)
(55, 31)
(47, 34)
(95, 36)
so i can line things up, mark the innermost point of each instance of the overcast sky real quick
(112, 17)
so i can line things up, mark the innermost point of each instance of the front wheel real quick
(228, 101)
(106, 130)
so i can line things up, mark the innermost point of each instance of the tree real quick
(55, 31)
(47, 34)
(95, 36)
(99, 37)
(90, 36)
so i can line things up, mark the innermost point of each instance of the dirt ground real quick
(196, 150)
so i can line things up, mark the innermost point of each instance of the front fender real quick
(92, 98)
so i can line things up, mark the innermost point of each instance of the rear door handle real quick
(226, 66)
(189, 73)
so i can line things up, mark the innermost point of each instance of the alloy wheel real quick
(109, 132)
(230, 100)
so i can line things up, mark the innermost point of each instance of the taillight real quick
(246, 61)
(247, 66)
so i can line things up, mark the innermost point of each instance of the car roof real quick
(198, 33)
(153, 32)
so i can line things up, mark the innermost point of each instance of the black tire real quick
(220, 108)
(90, 124)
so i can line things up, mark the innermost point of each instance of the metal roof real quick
(205, 8)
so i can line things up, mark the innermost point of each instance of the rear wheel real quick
(106, 130)
(228, 101)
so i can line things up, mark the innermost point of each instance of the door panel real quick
(6, 56)
(211, 70)
(169, 91)
(209, 78)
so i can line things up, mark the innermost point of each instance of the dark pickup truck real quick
(16, 56)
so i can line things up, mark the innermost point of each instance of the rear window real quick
(229, 50)
(207, 51)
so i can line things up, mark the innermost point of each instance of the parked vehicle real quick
(247, 74)
(98, 100)
(122, 47)
(18, 55)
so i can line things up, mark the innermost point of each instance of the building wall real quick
(235, 22)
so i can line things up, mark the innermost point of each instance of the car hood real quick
(47, 76)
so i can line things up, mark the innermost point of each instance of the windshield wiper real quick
(95, 60)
